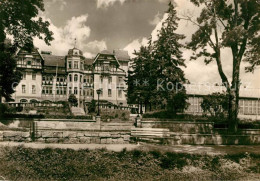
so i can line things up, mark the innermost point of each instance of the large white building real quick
(54, 78)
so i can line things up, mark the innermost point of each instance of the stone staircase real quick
(77, 111)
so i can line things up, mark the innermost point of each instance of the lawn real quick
(19, 163)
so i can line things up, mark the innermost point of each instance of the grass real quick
(18, 163)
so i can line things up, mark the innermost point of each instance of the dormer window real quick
(76, 52)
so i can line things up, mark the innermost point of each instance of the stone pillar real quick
(98, 121)
(138, 122)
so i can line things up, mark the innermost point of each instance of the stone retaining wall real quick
(201, 139)
(65, 136)
(180, 127)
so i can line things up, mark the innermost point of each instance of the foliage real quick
(156, 78)
(3, 109)
(92, 106)
(18, 163)
(10, 77)
(216, 104)
(115, 115)
(73, 100)
(228, 24)
(167, 55)
(20, 20)
(142, 79)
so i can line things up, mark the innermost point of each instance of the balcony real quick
(88, 85)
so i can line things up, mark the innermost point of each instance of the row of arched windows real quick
(75, 78)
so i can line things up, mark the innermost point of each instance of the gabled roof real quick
(53, 60)
(88, 61)
(35, 50)
(122, 55)
(106, 53)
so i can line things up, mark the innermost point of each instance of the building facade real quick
(249, 100)
(48, 77)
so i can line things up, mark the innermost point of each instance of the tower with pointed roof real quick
(75, 70)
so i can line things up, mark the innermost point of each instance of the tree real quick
(168, 56)
(92, 106)
(9, 76)
(73, 100)
(156, 77)
(228, 24)
(216, 104)
(141, 79)
(18, 19)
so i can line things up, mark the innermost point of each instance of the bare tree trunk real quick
(233, 111)
(234, 92)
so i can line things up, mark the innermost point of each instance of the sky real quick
(126, 24)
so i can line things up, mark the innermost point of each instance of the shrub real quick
(3, 109)
(18, 163)
(92, 106)
(216, 104)
(73, 100)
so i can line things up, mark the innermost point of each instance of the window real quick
(87, 93)
(70, 65)
(241, 106)
(76, 65)
(58, 91)
(106, 68)
(70, 78)
(109, 80)
(85, 80)
(23, 89)
(70, 90)
(75, 90)
(58, 79)
(33, 76)
(50, 91)
(254, 108)
(109, 92)
(43, 78)
(43, 90)
(258, 107)
(64, 92)
(33, 89)
(76, 78)
(29, 62)
(120, 93)
(80, 78)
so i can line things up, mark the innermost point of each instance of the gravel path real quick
(193, 149)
